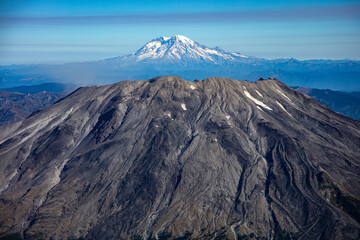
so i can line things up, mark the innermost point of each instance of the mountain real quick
(354, 94)
(15, 106)
(181, 56)
(22, 75)
(17, 103)
(180, 50)
(320, 79)
(210, 159)
(347, 104)
(47, 87)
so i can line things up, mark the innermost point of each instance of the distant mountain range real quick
(19, 102)
(345, 103)
(15, 106)
(184, 57)
(44, 87)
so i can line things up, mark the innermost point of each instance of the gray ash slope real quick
(217, 157)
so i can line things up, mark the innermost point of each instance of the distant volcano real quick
(181, 56)
(179, 49)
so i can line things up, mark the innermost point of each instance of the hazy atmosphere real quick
(57, 31)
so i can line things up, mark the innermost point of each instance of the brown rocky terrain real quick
(15, 106)
(211, 159)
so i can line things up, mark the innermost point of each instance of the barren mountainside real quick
(211, 159)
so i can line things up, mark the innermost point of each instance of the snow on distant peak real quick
(159, 39)
(178, 49)
(175, 38)
(182, 38)
(239, 55)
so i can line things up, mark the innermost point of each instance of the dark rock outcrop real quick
(206, 159)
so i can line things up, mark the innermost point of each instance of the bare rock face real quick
(205, 159)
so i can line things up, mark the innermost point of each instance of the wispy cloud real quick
(66, 45)
(305, 13)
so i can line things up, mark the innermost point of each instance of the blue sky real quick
(54, 31)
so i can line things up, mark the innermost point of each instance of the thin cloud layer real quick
(306, 13)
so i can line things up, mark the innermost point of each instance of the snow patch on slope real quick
(183, 106)
(282, 107)
(283, 94)
(257, 102)
(169, 115)
(259, 93)
(259, 108)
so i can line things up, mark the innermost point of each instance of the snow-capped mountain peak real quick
(179, 48)
(180, 51)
